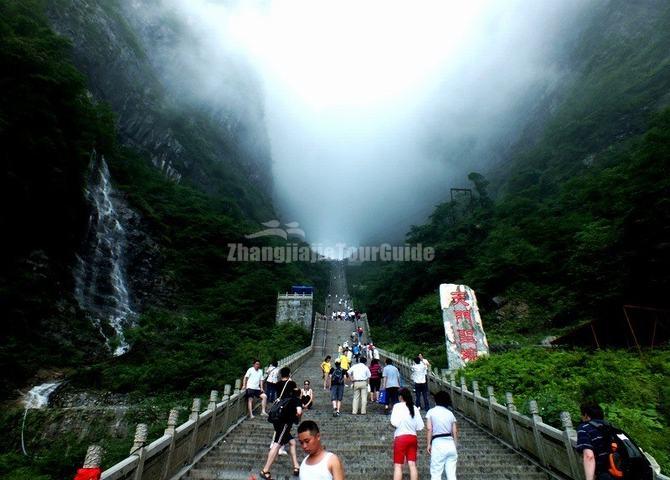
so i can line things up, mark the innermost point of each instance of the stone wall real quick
(295, 308)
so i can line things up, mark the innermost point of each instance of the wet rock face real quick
(117, 273)
(105, 52)
(66, 397)
(148, 286)
(128, 53)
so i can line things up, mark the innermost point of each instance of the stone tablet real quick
(463, 328)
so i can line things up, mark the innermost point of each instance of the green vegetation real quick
(633, 390)
(48, 127)
(578, 228)
(113, 429)
(211, 310)
(212, 316)
(598, 242)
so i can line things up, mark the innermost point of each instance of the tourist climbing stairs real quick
(220, 442)
(364, 443)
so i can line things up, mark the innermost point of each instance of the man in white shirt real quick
(318, 463)
(253, 386)
(360, 375)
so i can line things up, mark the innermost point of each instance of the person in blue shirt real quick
(391, 383)
(591, 444)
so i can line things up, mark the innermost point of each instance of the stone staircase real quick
(364, 443)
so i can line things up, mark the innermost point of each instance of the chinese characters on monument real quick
(463, 328)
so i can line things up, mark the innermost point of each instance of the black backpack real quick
(281, 411)
(624, 459)
(337, 377)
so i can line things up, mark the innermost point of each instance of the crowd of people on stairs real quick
(380, 385)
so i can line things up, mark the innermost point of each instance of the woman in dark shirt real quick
(375, 379)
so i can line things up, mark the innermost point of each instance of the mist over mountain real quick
(141, 138)
(375, 109)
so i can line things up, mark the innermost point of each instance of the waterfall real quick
(100, 280)
(38, 397)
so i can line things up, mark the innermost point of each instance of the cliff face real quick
(618, 74)
(203, 129)
(129, 52)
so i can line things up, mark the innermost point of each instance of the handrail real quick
(180, 447)
(551, 448)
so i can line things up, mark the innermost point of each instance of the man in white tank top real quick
(318, 464)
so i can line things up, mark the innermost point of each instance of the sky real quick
(375, 109)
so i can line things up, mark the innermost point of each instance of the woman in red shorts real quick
(407, 420)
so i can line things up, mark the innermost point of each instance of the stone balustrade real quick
(548, 446)
(173, 454)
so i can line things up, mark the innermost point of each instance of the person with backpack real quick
(286, 411)
(591, 443)
(337, 387)
(608, 453)
(356, 351)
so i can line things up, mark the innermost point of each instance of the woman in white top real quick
(306, 395)
(419, 377)
(441, 438)
(407, 420)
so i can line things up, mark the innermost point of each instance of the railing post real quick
(195, 416)
(464, 398)
(568, 434)
(452, 383)
(141, 432)
(475, 394)
(238, 384)
(91, 469)
(171, 427)
(511, 409)
(226, 406)
(537, 419)
(213, 398)
(491, 400)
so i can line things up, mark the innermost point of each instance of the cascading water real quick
(100, 281)
(37, 397)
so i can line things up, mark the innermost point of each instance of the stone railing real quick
(548, 446)
(290, 296)
(180, 447)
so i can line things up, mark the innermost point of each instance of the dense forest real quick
(574, 225)
(211, 317)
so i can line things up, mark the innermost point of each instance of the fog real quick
(375, 109)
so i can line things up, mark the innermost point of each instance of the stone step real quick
(363, 442)
(362, 474)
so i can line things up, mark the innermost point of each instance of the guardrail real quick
(548, 446)
(180, 447)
